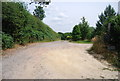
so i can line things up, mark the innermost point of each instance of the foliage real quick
(91, 33)
(112, 36)
(14, 16)
(109, 28)
(83, 31)
(24, 27)
(107, 42)
(76, 33)
(108, 13)
(7, 41)
(61, 35)
(101, 51)
(65, 36)
(84, 28)
(39, 12)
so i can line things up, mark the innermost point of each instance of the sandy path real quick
(54, 60)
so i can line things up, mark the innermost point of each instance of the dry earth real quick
(53, 60)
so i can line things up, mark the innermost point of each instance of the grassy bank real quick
(21, 27)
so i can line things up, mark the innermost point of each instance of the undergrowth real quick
(111, 56)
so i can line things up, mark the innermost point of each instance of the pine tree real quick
(101, 28)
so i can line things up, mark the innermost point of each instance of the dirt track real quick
(54, 60)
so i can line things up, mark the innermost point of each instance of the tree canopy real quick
(84, 28)
(105, 16)
(39, 12)
(82, 31)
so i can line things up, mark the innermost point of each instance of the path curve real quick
(53, 60)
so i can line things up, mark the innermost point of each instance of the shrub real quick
(7, 41)
(100, 48)
(98, 45)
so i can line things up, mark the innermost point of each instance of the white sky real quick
(62, 15)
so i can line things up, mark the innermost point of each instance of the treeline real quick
(82, 31)
(20, 27)
(65, 36)
(107, 36)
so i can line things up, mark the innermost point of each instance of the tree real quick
(84, 28)
(76, 34)
(115, 32)
(108, 27)
(107, 42)
(39, 12)
(108, 13)
(91, 32)
(112, 36)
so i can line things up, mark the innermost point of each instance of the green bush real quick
(7, 41)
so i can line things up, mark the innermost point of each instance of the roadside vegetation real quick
(19, 26)
(105, 37)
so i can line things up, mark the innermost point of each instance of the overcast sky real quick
(61, 16)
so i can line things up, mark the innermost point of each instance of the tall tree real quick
(112, 36)
(108, 13)
(76, 34)
(84, 28)
(39, 12)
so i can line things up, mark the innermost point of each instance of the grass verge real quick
(82, 42)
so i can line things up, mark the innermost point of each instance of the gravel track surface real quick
(53, 60)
